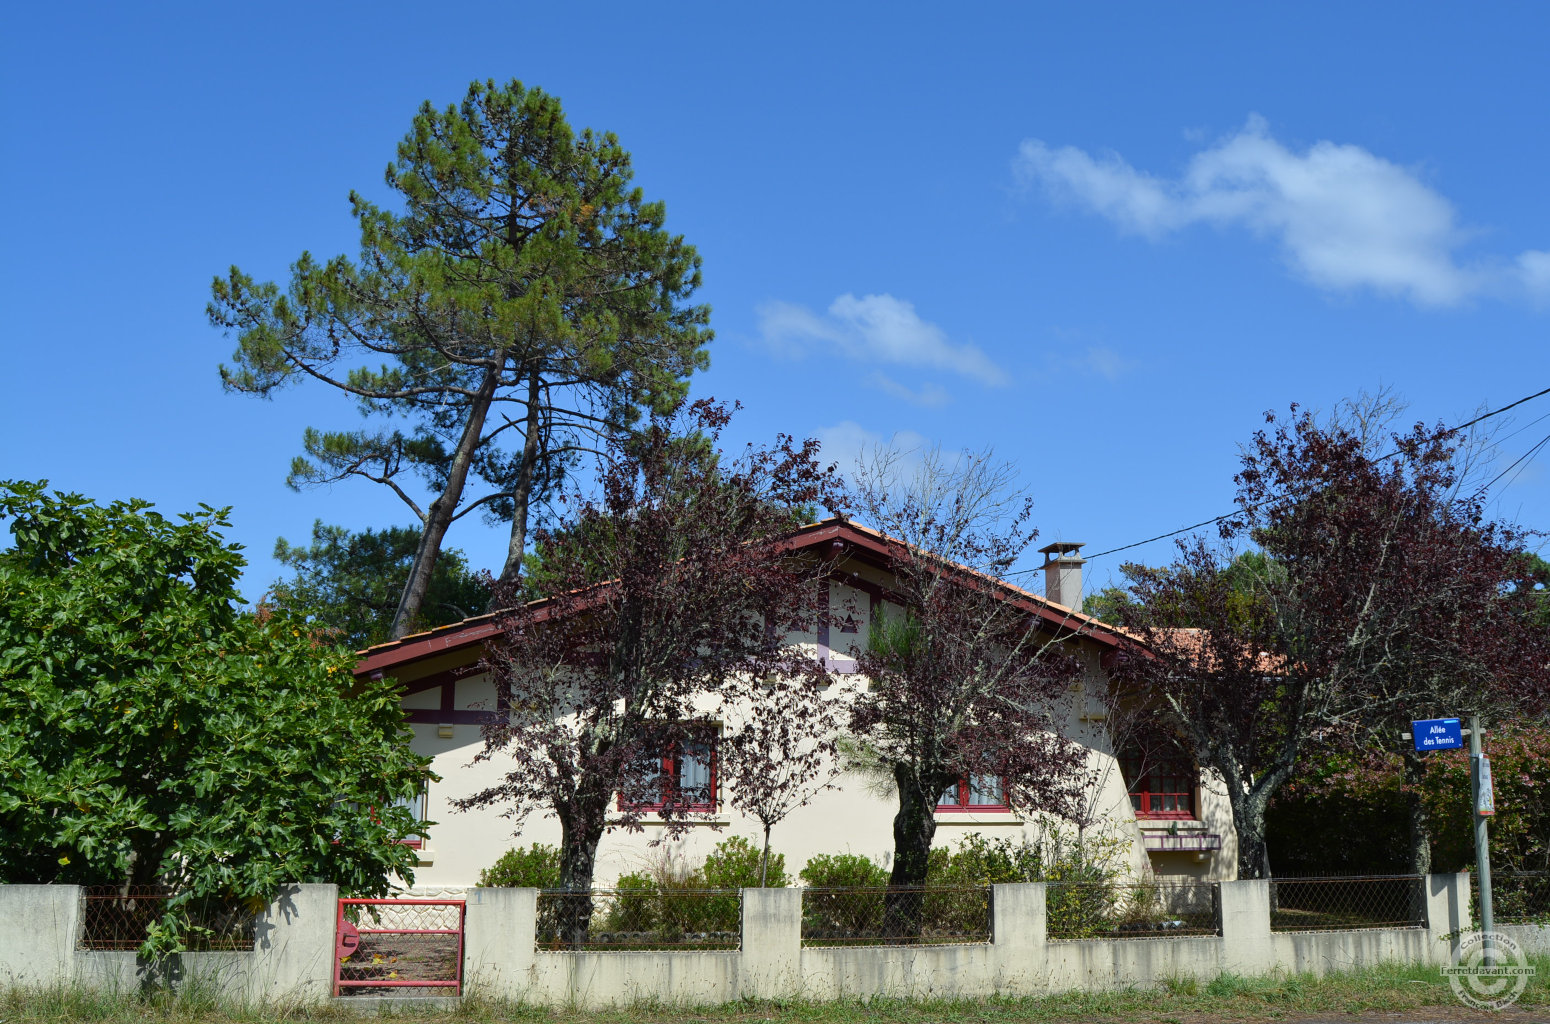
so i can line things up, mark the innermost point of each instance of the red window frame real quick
(419, 806)
(1159, 789)
(671, 772)
(959, 796)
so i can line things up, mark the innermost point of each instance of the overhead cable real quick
(1228, 515)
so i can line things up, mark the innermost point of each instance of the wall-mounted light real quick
(444, 731)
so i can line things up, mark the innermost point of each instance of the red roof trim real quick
(470, 632)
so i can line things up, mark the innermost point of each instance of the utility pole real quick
(1482, 843)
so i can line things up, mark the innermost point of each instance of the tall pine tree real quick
(524, 304)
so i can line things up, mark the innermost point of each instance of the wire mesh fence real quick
(895, 916)
(396, 945)
(1339, 904)
(115, 917)
(1130, 910)
(640, 918)
(1517, 897)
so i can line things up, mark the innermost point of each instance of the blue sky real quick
(1103, 240)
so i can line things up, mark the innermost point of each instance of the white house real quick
(1177, 825)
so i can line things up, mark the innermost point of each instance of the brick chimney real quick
(1063, 573)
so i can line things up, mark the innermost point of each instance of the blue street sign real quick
(1437, 734)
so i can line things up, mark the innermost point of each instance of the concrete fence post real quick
(772, 944)
(1246, 947)
(293, 949)
(1447, 914)
(1019, 937)
(42, 924)
(500, 938)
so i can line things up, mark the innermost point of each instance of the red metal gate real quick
(386, 946)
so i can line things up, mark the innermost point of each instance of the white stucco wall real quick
(856, 818)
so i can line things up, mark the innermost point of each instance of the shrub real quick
(635, 904)
(1091, 902)
(982, 861)
(977, 862)
(843, 913)
(537, 867)
(734, 864)
(843, 870)
(667, 898)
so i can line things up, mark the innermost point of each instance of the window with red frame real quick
(682, 773)
(975, 793)
(417, 806)
(1160, 787)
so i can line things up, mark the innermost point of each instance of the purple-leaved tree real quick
(780, 753)
(965, 684)
(1378, 593)
(660, 588)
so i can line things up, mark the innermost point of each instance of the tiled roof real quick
(474, 630)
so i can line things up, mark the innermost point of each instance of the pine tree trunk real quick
(914, 826)
(439, 516)
(522, 489)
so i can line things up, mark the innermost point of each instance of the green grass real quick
(1389, 988)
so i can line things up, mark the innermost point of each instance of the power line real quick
(1217, 519)
(1498, 412)
(1525, 458)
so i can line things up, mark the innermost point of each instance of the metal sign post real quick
(1482, 805)
(1444, 734)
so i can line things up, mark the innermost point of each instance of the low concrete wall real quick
(293, 958)
(37, 941)
(1534, 938)
(1019, 960)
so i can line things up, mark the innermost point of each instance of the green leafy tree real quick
(350, 583)
(1108, 605)
(1364, 796)
(524, 306)
(1113, 604)
(1537, 572)
(152, 734)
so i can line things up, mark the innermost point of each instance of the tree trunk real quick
(578, 861)
(439, 516)
(1418, 820)
(522, 489)
(764, 859)
(1248, 818)
(913, 829)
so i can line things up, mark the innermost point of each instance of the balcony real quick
(1182, 842)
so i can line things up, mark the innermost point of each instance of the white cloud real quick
(876, 329)
(847, 441)
(1105, 362)
(1534, 267)
(930, 395)
(1343, 217)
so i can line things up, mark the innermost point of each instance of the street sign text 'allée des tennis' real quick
(1437, 734)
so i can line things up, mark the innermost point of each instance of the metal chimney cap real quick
(1062, 547)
